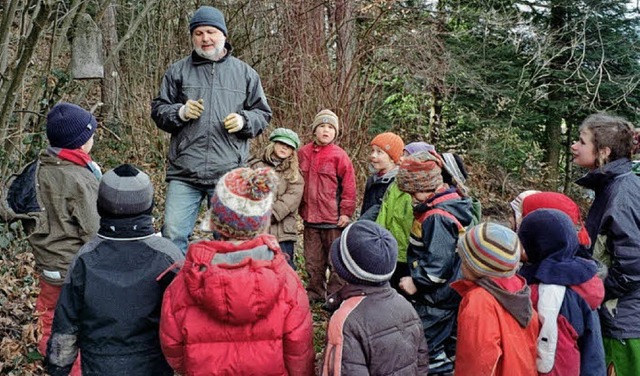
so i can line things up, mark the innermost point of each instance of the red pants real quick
(45, 308)
(317, 244)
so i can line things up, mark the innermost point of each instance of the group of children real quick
(416, 285)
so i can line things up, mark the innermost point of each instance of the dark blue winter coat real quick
(615, 215)
(110, 303)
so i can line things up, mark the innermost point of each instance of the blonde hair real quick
(611, 132)
(288, 167)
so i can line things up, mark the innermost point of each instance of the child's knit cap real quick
(559, 201)
(208, 16)
(69, 126)
(285, 136)
(420, 172)
(325, 117)
(390, 143)
(516, 206)
(125, 191)
(365, 254)
(241, 204)
(490, 250)
(416, 147)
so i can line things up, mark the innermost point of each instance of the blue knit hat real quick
(365, 254)
(69, 126)
(208, 16)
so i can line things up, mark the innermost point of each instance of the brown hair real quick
(610, 131)
(288, 167)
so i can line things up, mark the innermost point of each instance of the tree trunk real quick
(554, 117)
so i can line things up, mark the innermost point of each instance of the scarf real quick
(77, 156)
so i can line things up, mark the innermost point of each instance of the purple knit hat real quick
(416, 147)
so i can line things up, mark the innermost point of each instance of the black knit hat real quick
(125, 191)
(365, 254)
(208, 16)
(69, 126)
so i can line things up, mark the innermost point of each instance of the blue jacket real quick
(434, 264)
(615, 215)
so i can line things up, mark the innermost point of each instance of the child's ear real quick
(605, 152)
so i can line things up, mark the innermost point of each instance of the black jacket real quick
(109, 307)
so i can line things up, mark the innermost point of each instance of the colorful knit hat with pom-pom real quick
(241, 206)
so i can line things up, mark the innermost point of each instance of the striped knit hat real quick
(420, 172)
(490, 250)
(241, 205)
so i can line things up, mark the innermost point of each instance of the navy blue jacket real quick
(110, 303)
(615, 215)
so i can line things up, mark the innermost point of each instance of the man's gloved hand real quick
(192, 109)
(233, 122)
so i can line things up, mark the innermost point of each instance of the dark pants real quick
(317, 244)
(288, 248)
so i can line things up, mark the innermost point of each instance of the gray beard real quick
(215, 55)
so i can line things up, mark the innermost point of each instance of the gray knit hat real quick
(365, 254)
(125, 191)
(208, 16)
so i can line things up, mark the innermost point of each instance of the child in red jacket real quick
(236, 307)
(497, 326)
(328, 202)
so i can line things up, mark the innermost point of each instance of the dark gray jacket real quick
(615, 215)
(375, 332)
(109, 307)
(202, 150)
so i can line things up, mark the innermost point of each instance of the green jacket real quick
(396, 215)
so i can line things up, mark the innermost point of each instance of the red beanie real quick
(558, 201)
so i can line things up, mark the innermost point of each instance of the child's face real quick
(325, 134)
(87, 145)
(380, 160)
(584, 151)
(467, 273)
(403, 156)
(282, 151)
(420, 197)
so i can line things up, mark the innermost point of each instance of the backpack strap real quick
(438, 211)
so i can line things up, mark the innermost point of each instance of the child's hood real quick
(550, 241)
(592, 291)
(236, 283)
(512, 293)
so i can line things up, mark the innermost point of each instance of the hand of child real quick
(343, 221)
(407, 285)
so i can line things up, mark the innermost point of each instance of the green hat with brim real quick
(285, 136)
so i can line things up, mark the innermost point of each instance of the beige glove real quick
(192, 109)
(233, 122)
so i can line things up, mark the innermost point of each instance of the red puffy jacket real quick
(329, 183)
(237, 309)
